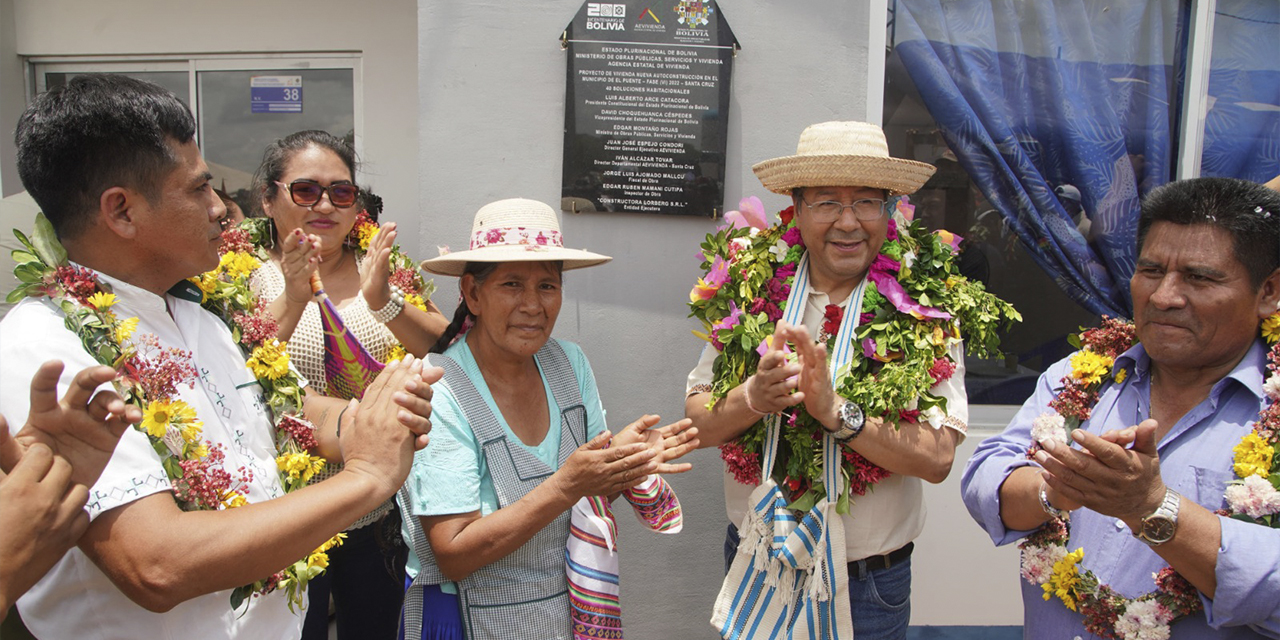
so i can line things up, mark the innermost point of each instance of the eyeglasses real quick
(307, 193)
(866, 209)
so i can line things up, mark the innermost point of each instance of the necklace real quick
(915, 306)
(149, 377)
(1045, 560)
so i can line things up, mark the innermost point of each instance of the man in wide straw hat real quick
(841, 180)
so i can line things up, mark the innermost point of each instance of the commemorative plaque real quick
(647, 107)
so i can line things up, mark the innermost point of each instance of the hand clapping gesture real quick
(668, 443)
(299, 259)
(375, 272)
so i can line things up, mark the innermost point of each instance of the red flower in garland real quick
(258, 327)
(78, 282)
(787, 214)
(744, 466)
(236, 239)
(406, 279)
(941, 370)
(831, 319)
(865, 473)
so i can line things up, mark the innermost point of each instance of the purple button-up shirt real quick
(1195, 461)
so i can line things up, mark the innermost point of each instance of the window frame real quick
(35, 68)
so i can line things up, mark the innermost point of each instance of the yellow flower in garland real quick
(101, 300)
(397, 353)
(416, 300)
(201, 450)
(270, 360)
(1089, 367)
(1253, 457)
(300, 465)
(125, 329)
(1121, 375)
(331, 543)
(238, 264)
(191, 432)
(234, 499)
(318, 560)
(208, 281)
(367, 232)
(1064, 579)
(159, 414)
(1271, 328)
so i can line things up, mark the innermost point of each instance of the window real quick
(1048, 121)
(220, 91)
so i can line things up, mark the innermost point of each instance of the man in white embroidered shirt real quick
(839, 182)
(114, 166)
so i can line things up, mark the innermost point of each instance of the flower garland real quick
(149, 377)
(914, 306)
(252, 238)
(1254, 497)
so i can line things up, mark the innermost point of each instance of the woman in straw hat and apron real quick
(508, 509)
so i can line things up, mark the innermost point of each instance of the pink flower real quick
(1255, 497)
(906, 209)
(542, 238)
(750, 214)
(708, 286)
(767, 343)
(731, 320)
(785, 271)
(494, 236)
(891, 233)
(792, 237)
(941, 370)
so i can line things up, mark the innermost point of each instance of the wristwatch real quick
(1159, 527)
(851, 422)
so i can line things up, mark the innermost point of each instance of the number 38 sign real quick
(275, 94)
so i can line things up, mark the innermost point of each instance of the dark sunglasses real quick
(307, 193)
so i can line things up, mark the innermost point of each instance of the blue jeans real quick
(879, 600)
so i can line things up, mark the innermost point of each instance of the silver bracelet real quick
(1048, 507)
(392, 309)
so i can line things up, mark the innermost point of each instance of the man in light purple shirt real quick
(1206, 277)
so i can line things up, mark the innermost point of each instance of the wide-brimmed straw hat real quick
(843, 154)
(514, 230)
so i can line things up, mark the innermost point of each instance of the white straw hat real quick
(843, 154)
(514, 230)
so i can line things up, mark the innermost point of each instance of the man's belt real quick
(876, 563)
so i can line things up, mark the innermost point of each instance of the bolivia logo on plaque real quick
(647, 107)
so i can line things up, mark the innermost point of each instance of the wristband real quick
(395, 304)
(746, 396)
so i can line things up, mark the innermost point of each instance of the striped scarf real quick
(591, 555)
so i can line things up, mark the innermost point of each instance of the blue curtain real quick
(1242, 125)
(1032, 96)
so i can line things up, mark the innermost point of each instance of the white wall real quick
(487, 123)
(383, 31)
(491, 119)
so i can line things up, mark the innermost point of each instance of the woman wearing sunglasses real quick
(306, 187)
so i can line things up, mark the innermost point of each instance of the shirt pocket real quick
(1208, 486)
